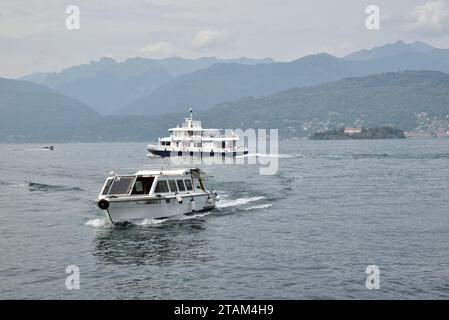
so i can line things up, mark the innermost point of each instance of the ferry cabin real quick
(191, 136)
(190, 139)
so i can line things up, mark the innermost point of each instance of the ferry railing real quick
(193, 124)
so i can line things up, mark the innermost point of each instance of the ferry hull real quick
(200, 154)
(123, 211)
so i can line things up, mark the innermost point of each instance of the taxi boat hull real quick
(155, 208)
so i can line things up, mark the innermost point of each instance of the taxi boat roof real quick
(166, 172)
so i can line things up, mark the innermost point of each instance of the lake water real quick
(309, 231)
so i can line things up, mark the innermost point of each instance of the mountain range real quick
(107, 85)
(308, 94)
(400, 48)
(393, 98)
(205, 88)
(35, 112)
(148, 86)
(390, 98)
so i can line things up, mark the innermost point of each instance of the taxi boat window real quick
(181, 186)
(107, 186)
(198, 182)
(161, 187)
(172, 184)
(142, 185)
(121, 185)
(188, 184)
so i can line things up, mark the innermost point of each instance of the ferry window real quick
(107, 187)
(161, 186)
(172, 184)
(121, 185)
(142, 185)
(181, 186)
(188, 184)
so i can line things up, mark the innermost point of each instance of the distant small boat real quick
(50, 148)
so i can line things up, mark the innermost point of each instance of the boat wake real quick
(192, 216)
(148, 222)
(224, 203)
(260, 206)
(370, 155)
(267, 155)
(104, 221)
(343, 156)
(33, 186)
(16, 185)
(98, 222)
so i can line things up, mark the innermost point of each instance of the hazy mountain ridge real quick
(370, 101)
(226, 82)
(390, 49)
(107, 85)
(34, 112)
(151, 86)
(389, 98)
(290, 96)
(394, 98)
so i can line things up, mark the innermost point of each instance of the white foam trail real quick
(98, 222)
(193, 216)
(153, 156)
(147, 222)
(261, 206)
(289, 156)
(267, 155)
(20, 185)
(236, 202)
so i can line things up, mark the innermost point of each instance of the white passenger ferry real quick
(153, 194)
(190, 139)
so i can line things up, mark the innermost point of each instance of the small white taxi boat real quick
(154, 194)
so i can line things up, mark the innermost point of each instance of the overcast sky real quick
(34, 37)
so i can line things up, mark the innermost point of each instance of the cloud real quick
(208, 37)
(159, 49)
(430, 18)
(161, 2)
